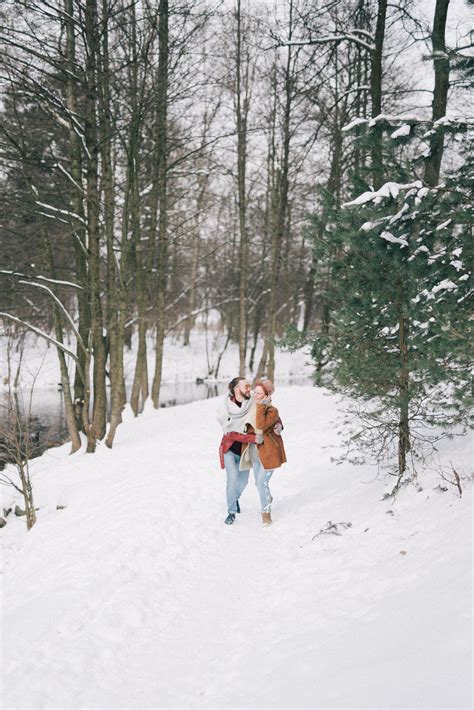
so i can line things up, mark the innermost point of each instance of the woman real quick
(268, 453)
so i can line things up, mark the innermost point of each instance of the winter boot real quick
(238, 506)
(230, 519)
(266, 519)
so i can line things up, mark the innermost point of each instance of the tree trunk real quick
(68, 403)
(196, 250)
(279, 209)
(376, 94)
(140, 379)
(115, 301)
(403, 388)
(98, 425)
(130, 219)
(440, 92)
(71, 421)
(140, 391)
(241, 118)
(27, 494)
(79, 238)
(189, 322)
(308, 292)
(257, 323)
(162, 167)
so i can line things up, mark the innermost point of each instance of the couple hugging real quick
(251, 439)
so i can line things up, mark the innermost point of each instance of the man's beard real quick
(246, 395)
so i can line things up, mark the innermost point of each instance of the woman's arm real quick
(267, 416)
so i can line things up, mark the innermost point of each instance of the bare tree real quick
(280, 190)
(17, 444)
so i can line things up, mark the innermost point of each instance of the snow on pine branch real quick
(454, 122)
(368, 226)
(393, 120)
(389, 237)
(389, 189)
(402, 131)
(403, 124)
(445, 285)
(355, 122)
(429, 295)
(450, 123)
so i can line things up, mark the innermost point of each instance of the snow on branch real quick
(69, 176)
(356, 36)
(388, 236)
(355, 122)
(402, 131)
(12, 273)
(445, 285)
(435, 56)
(390, 119)
(40, 278)
(81, 244)
(368, 226)
(395, 120)
(41, 333)
(403, 124)
(53, 216)
(63, 212)
(62, 308)
(455, 122)
(57, 281)
(390, 189)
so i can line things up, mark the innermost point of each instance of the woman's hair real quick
(259, 383)
(267, 386)
(233, 384)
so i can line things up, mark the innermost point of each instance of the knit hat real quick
(267, 386)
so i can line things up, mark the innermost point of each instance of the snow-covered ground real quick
(136, 595)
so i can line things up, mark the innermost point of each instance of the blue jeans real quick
(236, 480)
(262, 478)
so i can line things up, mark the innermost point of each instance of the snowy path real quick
(137, 596)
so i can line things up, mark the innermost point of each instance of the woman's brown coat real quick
(272, 452)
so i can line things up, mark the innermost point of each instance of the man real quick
(232, 416)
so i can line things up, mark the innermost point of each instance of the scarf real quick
(249, 453)
(233, 417)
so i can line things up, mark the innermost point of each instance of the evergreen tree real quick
(397, 340)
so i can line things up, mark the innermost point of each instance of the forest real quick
(300, 168)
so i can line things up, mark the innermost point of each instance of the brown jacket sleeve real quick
(267, 416)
